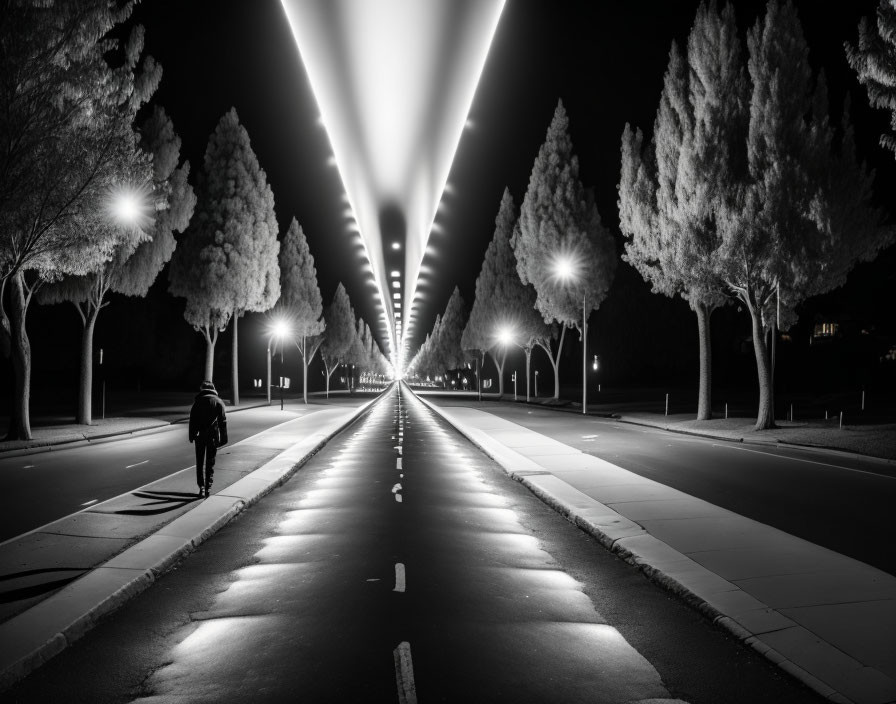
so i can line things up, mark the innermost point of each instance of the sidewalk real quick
(59, 580)
(825, 618)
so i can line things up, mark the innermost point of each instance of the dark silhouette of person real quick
(208, 431)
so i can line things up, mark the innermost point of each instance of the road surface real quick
(401, 564)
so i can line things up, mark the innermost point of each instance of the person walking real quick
(208, 431)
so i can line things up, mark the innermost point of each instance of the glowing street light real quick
(129, 205)
(566, 269)
(279, 330)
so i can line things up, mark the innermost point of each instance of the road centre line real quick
(404, 674)
(799, 459)
(399, 577)
(136, 465)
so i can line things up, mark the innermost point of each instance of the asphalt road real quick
(44, 486)
(401, 557)
(842, 502)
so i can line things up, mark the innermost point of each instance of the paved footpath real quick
(827, 619)
(56, 582)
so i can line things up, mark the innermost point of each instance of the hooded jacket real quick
(207, 408)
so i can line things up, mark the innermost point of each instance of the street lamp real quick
(505, 337)
(566, 269)
(279, 329)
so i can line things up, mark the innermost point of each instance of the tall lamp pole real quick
(584, 357)
(270, 339)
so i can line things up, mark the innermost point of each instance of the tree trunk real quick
(6, 353)
(85, 382)
(555, 363)
(766, 416)
(234, 361)
(21, 359)
(704, 395)
(211, 337)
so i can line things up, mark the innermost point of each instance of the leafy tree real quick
(874, 60)
(670, 193)
(503, 303)
(67, 133)
(802, 217)
(300, 299)
(450, 354)
(560, 227)
(136, 261)
(339, 319)
(228, 265)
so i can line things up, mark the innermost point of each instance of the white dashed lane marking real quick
(399, 577)
(404, 674)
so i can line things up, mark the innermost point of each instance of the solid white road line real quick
(136, 465)
(799, 459)
(404, 674)
(399, 577)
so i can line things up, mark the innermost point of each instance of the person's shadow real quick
(165, 500)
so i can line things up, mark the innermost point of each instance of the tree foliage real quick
(802, 216)
(141, 253)
(559, 221)
(228, 264)
(503, 303)
(874, 60)
(559, 225)
(69, 96)
(671, 192)
(339, 318)
(300, 300)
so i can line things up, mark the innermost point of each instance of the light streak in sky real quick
(394, 81)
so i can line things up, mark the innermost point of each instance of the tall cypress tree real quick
(670, 193)
(559, 222)
(236, 231)
(300, 299)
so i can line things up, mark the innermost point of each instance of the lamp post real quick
(536, 384)
(565, 269)
(279, 330)
(505, 337)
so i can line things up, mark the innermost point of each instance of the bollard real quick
(863, 399)
(667, 404)
(841, 420)
(598, 388)
(726, 411)
(791, 413)
(825, 413)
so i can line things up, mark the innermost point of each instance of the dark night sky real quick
(604, 59)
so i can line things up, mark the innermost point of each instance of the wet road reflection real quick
(442, 596)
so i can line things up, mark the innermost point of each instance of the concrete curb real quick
(33, 637)
(621, 536)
